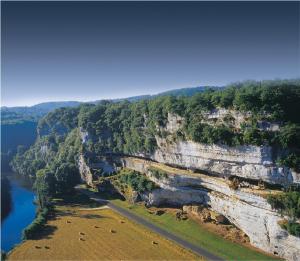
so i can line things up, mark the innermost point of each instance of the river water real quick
(21, 214)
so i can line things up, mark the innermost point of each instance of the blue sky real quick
(88, 51)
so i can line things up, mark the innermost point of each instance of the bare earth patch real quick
(100, 234)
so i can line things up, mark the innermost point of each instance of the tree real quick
(45, 186)
(67, 176)
(289, 136)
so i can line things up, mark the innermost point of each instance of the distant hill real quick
(187, 91)
(12, 115)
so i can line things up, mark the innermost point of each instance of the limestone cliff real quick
(250, 162)
(247, 208)
(85, 171)
(245, 205)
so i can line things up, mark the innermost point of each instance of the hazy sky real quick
(88, 51)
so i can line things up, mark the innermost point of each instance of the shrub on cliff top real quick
(157, 173)
(292, 227)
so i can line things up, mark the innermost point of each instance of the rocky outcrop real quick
(85, 171)
(236, 119)
(244, 207)
(228, 117)
(89, 172)
(84, 135)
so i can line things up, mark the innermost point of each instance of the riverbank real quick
(22, 211)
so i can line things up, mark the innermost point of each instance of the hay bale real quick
(154, 243)
(122, 222)
(46, 247)
(112, 231)
(81, 233)
(81, 239)
(96, 227)
(37, 247)
(68, 222)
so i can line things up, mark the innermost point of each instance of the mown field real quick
(88, 234)
(191, 231)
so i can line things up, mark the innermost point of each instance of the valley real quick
(221, 167)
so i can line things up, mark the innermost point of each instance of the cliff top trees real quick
(45, 186)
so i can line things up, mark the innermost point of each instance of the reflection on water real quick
(21, 214)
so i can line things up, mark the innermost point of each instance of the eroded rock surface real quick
(247, 209)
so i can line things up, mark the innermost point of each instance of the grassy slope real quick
(194, 233)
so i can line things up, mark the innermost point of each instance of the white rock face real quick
(247, 210)
(85, 171)
(174, 123)
(225, 116)
(251, 162)
(174, 197)
(260, 224)
(235, 119)
(84, 135)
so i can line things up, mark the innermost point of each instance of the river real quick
(21, 213)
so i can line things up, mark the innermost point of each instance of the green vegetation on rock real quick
(288, 203)
(158, 173)
(136, 181)
(292, 227)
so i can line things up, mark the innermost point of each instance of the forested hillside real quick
(19, 123)
(18, 127)
(131, 128)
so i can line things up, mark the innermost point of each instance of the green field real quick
(194, 233)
